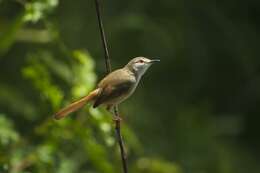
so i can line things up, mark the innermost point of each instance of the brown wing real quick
(114, 91)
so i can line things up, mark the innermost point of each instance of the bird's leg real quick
(116, 118)
(109, 108)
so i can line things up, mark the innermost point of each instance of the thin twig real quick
(120, 140)
(108, 67)
(103, 36)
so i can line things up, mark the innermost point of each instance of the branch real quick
(103, 37)
(120, 140)
(108, 67)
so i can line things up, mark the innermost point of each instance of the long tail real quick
(76, 105)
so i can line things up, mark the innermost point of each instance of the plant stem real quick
(108, 67)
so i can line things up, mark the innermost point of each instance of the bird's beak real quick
(154, 60)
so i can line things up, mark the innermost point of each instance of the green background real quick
(197, 111)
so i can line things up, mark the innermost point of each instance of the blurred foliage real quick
(37, 9)
(196, 112)
(41, 80)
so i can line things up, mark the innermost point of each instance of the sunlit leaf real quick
(37, 9)
(7, 133)
(84, 75)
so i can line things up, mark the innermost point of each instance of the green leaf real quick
(83, 69)
(41, 78)
(38, 9)
(7, 37)
(7, 134)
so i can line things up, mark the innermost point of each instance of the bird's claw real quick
(117, 119)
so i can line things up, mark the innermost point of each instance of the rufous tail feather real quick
(76, 105)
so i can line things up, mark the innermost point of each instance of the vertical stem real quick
(103, 36)
(120, 140)
(108, 67)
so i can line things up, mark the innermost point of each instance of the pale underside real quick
(115, 88)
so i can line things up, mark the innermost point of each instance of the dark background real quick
(197, 111)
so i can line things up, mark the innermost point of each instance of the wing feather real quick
(113, 93)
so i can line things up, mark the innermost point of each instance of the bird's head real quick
(139, 65)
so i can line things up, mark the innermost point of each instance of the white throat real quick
(140, 71)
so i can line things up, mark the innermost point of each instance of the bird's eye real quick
(141, 61)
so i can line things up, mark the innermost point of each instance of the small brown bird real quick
(114, 88)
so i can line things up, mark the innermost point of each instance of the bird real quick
(114, 88)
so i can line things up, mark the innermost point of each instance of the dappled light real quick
(195, 111)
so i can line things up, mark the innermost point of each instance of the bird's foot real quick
(117, 119)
